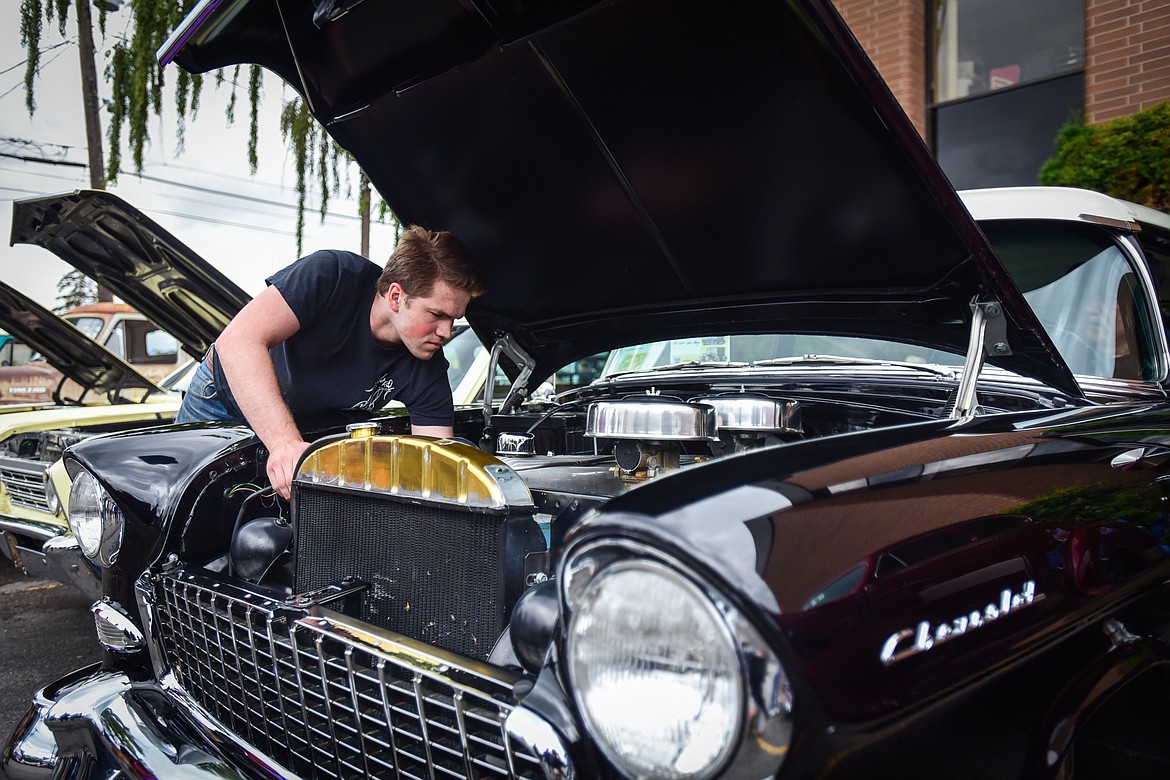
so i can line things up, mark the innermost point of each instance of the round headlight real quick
(656, 671)
(95, 520)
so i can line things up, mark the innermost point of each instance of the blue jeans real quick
(201, 403)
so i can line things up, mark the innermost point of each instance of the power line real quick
(251, 198)
(283, 230)
(182, 185)
(28, 158)
(39, 69)
(24, 62)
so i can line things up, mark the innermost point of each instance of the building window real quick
(984, 45)
(1006, 75)
(1002, 139)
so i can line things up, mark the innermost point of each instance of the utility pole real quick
(89, 97)
(364, 208)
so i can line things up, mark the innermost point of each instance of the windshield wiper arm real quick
(803, 359)
(682, 365)
(837, 360)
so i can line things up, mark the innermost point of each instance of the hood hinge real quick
(506, 344)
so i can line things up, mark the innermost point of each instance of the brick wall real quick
(1127, 56)
(893, 34)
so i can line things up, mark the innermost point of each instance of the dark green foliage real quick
(1128, 157)
(314, 153)
(31, 14)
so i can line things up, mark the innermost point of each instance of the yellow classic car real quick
(96, 388)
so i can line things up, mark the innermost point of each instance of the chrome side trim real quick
(1120, 224)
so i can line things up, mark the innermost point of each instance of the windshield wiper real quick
(838, 360)
(682, 365)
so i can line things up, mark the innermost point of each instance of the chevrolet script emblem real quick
(927, 636)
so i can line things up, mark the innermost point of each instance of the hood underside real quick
(633, 171)
(67, 349)
(121, 248)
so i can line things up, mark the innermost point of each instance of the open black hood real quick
(65, 348)
(639, 170)
(114, 243)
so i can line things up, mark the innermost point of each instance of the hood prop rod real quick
(988, 337)
(507, 345)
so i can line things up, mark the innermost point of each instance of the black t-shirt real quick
(333, 361)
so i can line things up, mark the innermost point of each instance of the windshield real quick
(1077, 280)
(90, 326)
(755, 349)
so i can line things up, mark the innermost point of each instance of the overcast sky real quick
(205, 196)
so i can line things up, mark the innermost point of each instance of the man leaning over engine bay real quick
(334, 331)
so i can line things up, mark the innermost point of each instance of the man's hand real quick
(282, 463)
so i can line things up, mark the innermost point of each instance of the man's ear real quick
(396, 297)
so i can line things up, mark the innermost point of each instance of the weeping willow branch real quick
(136, 87)
(31, 14)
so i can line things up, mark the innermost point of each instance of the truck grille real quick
(25, 488)
(328, 696)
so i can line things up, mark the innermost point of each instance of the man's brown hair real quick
(423, 257)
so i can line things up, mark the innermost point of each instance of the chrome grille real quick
(26, 489)
(329, 697)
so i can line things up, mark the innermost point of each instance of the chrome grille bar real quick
(26, 489)
(328, 696)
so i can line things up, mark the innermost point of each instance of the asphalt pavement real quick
(46, 630)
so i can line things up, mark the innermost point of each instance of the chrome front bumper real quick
(42, 550)
(95, 724)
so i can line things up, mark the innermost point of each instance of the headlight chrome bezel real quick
(52, 500)
(760, 741)
(95, 520)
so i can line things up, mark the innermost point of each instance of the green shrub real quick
(1127, 157)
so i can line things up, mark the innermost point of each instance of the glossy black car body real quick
(947, 556)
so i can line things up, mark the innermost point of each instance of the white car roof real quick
(1064, 203)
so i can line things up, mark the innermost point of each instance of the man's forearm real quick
(252, 379)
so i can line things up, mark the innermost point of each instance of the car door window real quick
(116, 341)
(1083, 289)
